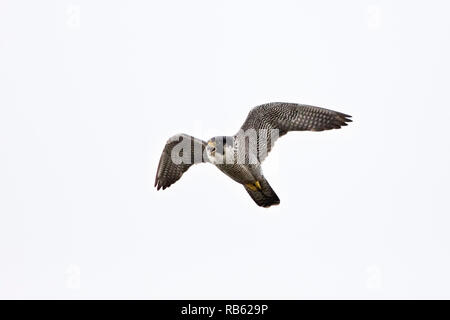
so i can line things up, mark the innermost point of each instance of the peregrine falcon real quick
(240, 156)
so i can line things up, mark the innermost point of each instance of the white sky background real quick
(91, 90)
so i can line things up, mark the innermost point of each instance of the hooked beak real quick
(212, 147)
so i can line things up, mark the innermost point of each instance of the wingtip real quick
(160, 185)
(344, 115)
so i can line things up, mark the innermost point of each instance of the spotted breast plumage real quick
(240, 156)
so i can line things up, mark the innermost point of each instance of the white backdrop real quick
(91, 90)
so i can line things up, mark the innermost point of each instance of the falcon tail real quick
(262, 193)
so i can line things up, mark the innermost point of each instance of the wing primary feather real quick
(288, 117)
(169, 172)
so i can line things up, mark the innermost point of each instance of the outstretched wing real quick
(180, 153)
(287, 117)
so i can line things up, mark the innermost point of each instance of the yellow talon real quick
(254, 186)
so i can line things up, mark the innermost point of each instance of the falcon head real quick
(218, 147)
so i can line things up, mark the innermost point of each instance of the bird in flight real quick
(240, 156)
